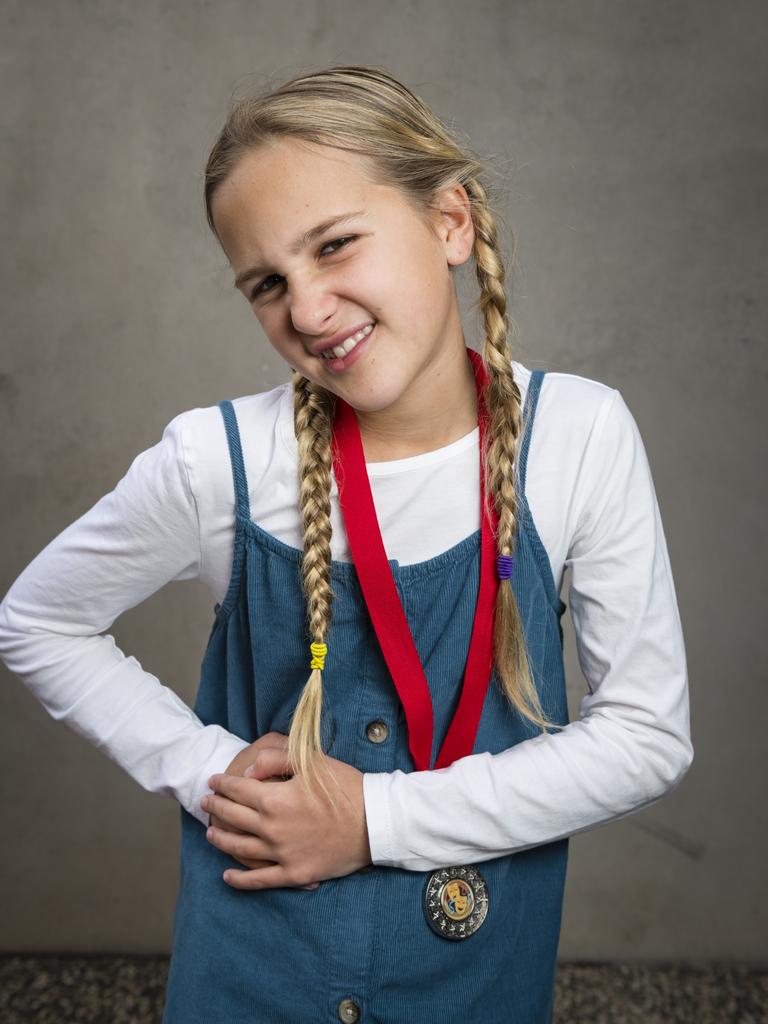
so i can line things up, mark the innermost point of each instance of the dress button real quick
(349, 1011)
(376, 732)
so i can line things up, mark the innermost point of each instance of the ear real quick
(453, 224)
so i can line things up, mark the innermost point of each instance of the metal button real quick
(377, 731)
(349, 1011)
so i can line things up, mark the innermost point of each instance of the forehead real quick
(284, 187)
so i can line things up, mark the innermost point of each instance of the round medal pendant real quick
(455, 901)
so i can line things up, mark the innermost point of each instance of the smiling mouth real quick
(351, 343)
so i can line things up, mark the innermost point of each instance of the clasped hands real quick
(263, 816)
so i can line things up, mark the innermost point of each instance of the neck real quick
(433, 413)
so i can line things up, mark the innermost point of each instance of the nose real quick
(312, 307)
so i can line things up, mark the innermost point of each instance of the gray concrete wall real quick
(631, 144)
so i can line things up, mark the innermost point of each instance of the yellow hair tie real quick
(319, 652)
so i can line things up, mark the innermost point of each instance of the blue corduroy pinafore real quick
(359, 948)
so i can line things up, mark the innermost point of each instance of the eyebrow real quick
(301, 243)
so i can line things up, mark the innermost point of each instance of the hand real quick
(247, 757)
(243, 760)
(298, 838)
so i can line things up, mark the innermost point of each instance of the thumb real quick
(270, 761)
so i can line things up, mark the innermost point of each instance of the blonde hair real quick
(364, 110)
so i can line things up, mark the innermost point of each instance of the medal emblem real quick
(455, 901)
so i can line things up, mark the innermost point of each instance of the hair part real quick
(364, 110)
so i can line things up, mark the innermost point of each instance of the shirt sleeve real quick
(631, 744)
(134, 540)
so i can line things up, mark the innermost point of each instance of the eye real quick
(341, 242)
(260, 290)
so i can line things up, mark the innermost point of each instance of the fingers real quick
(242, 846)
(239, 789)
(264, 878)
(247, 802)
(215, 822)
(231, 813)
(248, 850)
(235, 799)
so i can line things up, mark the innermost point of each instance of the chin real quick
(363, 401)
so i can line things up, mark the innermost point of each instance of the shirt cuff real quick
(227, 749)
(378, 816)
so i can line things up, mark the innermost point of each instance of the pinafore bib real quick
(358, 948)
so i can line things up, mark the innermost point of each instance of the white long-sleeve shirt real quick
(171, 517)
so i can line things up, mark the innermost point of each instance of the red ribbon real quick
(383, 601)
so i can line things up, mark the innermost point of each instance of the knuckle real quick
(275, 740)
(241, 847)
(294, 877)
(258, 758)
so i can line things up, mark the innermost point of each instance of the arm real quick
(133, 541)
(631, 744)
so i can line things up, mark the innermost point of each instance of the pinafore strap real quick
(242, 507)
(242, 503)
(529, 411)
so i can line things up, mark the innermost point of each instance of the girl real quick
(389, 835)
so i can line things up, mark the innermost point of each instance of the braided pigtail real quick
(502, 477)
(313, 409)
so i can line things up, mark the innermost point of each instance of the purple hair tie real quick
(504, 565)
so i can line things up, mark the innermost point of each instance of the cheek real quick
(398, 292)
(418, 301)
(277, 340)
(274, 325)
(418, 285)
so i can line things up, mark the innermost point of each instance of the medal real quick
(455, 901)
(384, 604)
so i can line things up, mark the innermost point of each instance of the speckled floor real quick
(131, 989)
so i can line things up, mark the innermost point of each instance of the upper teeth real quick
(346, 347)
